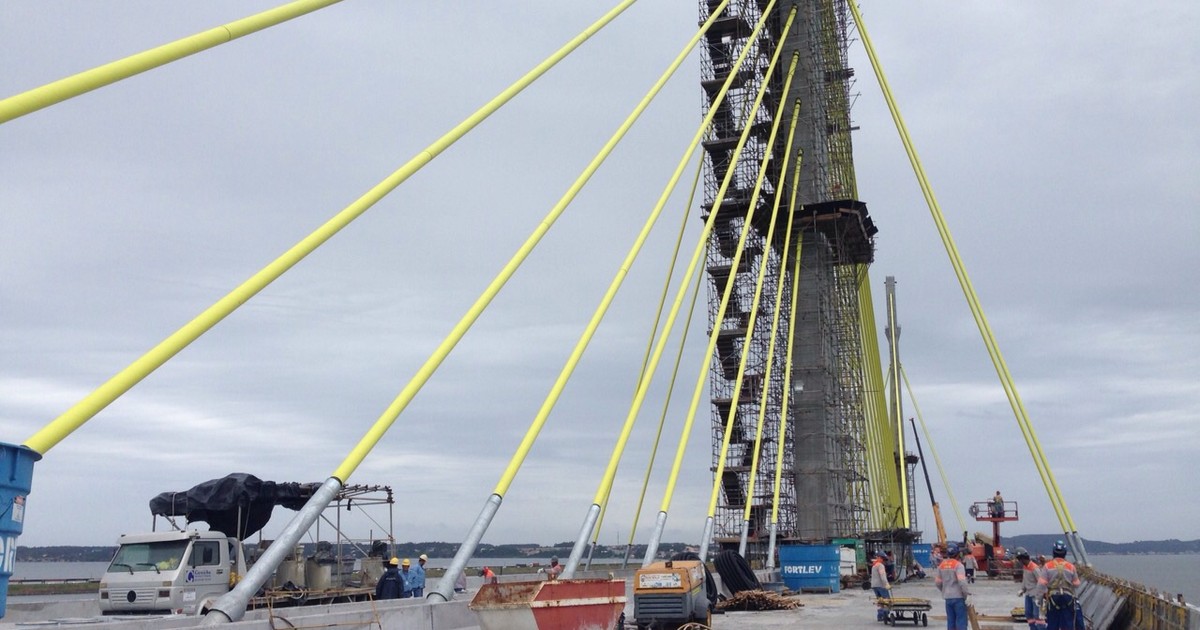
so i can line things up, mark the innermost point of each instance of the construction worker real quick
(555, 569)
(880, 584)
(390, 585)
(1033, 587)
(407, 576)
(417, 581)
(951, 582)
(998, 506)
(970, 564)
(489, 576)
(1061, 581)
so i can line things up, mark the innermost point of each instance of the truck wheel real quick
(924, 619)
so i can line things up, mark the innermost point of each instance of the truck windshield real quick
(152, 556)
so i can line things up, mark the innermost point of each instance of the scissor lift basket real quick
(912, 609)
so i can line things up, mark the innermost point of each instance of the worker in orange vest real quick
(1061, 581)
(951, 581)
(1033, 587)
(880, 584)
(489, 577)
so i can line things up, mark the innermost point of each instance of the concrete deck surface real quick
(855, 609)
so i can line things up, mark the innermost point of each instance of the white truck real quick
(178, 572)
(184, 571)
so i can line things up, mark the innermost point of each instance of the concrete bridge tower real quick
(824, 492)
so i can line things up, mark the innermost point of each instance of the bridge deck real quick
(855, 609)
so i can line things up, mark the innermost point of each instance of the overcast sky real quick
(1061, 140)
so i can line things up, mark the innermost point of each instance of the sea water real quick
(1174, 574)
(93, 570)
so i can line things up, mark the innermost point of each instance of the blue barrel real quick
(810, 567)
(922, 554)
(16, 478)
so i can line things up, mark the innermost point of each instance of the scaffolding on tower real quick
(824, 491)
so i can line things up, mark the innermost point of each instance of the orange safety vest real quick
(1061, 576)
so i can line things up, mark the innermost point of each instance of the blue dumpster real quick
(922, 554)
(811, 568)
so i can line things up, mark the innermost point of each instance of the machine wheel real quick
(924, 619)
(890, 619)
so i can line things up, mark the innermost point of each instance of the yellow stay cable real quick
(109, 73)
(662, 301)
(771, 343)
(560, 383)
(719, 320)
(787, 372)
(875, 471)
(882, 436)
(962, 524)
(660, 345)
(85, 409)
(1035, 449)
(687, 325)
(689, 419)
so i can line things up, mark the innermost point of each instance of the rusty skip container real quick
(550, 604)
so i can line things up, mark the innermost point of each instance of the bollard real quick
(16, 465)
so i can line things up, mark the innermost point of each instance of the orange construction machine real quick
(990, 553)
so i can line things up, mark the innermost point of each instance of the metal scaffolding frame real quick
(824, 445)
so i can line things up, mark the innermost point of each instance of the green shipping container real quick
(860, 550)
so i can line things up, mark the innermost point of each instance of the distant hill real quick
(1035, 543)
(1043, 543)
(65, 553)
(533, 551)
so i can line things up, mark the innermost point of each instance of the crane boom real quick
(937, 511)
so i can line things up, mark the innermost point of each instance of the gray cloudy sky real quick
(1061, 140)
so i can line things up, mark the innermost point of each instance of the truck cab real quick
(178, 572)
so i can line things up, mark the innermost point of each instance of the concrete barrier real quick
(395, 614)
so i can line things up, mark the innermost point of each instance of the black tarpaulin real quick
(221, 502)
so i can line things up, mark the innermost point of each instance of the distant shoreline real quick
(536, 561)
(532, 553)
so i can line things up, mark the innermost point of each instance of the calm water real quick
(93, 570)
(1174, 574)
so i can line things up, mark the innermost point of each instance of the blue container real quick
(810, 567)
(922, 553)
(16, 477)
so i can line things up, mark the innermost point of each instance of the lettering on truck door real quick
(206, 576)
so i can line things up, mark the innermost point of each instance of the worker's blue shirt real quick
(416, 577)
(407, 577)
(391, 585)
